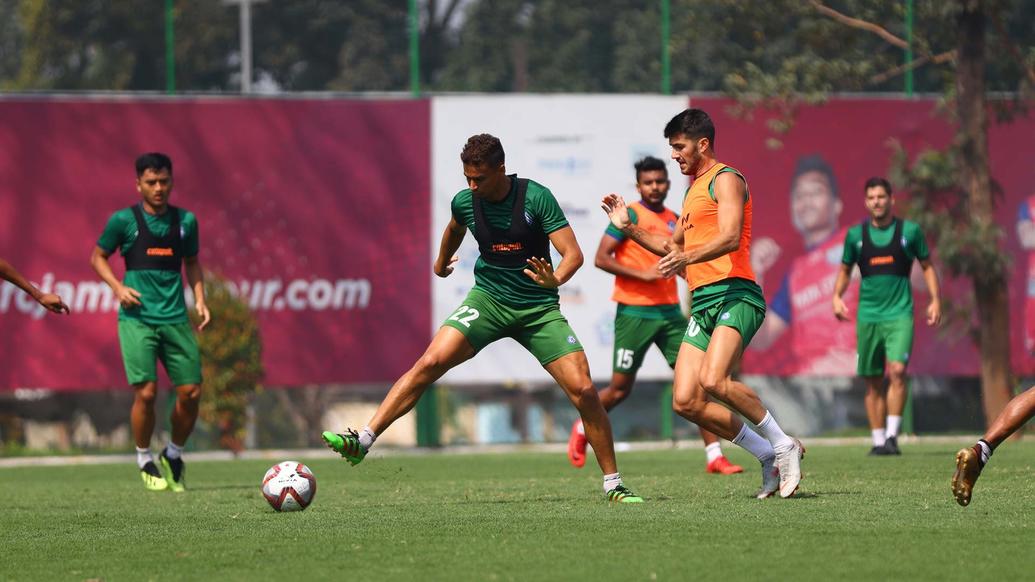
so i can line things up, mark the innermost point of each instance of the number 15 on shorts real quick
(465, 315)
(623, 358)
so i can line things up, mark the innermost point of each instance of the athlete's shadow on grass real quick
(220, 487)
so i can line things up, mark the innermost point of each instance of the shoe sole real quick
(962, 497)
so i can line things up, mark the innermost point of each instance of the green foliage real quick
(528, 517)
(231, 357)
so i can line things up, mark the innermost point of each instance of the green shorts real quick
(635, 335)
(882, 342)
(742, 316)
(174, 344)
(542, 329)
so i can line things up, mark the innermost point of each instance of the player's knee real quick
(584, 396)
(429, 363)
(896, 370)
(145, 393)
(189, 395)
(688, 407)
(713, 384)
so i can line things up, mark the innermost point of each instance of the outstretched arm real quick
(49, 300)
(605, 261)
(451, 239)
(540, 271)
(618, 212)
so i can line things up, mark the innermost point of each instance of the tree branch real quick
(861, 24)
(1004, 37)
(913, 64)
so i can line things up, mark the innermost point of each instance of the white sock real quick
(579, 428)
(754, 444)
(611, 481)
(713, 451)
(367, 438)
(144, 457)
(878, 437)
(986, 451)
(774, 434)
(173, 451)
(894, 422)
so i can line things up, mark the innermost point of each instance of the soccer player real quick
(970, 461)
(800, 305)
(157, 241)
(648, 306)
(711, 246)
(49, 301)
(884, 247)
(514, 220)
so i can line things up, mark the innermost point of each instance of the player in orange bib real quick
(711, 246)
(648, 311)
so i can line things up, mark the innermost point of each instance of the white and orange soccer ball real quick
(289, 486)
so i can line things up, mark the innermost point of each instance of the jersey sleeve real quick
(781, 303)
(114, 233)
(918, 243)
(613, 231)
(850, 254)
(191, 241)
(548, 212)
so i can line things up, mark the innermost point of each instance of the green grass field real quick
(527, 517)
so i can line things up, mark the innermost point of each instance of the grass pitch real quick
(527, 517)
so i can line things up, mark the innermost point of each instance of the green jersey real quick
(161, 292)
(885, 297)
(510, 285)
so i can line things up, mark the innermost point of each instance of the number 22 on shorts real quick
(465, 315)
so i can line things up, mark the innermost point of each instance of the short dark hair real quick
(816, 163)
(649, 164)
(693, 123)
(878, 181)
(153, 161)
(482, 149)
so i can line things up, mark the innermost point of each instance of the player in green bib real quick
(884, 247)
(157, 241)
(514, 220)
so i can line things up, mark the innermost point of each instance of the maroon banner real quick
(799, 228)
(317, 211)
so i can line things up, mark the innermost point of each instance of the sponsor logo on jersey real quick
(885, 260)
(507, 247)
(159, 252)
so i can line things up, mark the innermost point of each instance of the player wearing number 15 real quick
(514, 220)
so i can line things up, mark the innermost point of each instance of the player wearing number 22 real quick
(514, 220)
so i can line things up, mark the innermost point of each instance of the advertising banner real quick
(316, 211)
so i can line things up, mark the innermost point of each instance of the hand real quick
(674, 263)
(447, 269)
(617, 211)
(934, 312)
(203, 313)
(840, 309)
(764, 252)
(128, 296)
(53, 303)
(651, 275)
(542, 273)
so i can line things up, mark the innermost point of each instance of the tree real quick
(961, 28)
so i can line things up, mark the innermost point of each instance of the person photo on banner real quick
(799, 313)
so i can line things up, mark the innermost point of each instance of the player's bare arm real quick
(126, 296)
(844, 277)
(605, 261)
(934, 307)
(616, 209)
(196, 280)
(452, 236)
(48, 300)
(539, 269)
(729, 194)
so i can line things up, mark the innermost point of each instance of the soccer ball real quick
(289, 486)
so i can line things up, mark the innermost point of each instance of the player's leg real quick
(970, 461)
(139, 344)
(478, 322)
(178, 351)
(633, 336)
(448, 349)
(870, 363)
(736, 323)
(898, 344)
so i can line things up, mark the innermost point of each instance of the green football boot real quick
(622, 495)
(345, 444)
(152, 477)
(173, 470)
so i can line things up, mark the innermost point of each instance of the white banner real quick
(581, 148)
